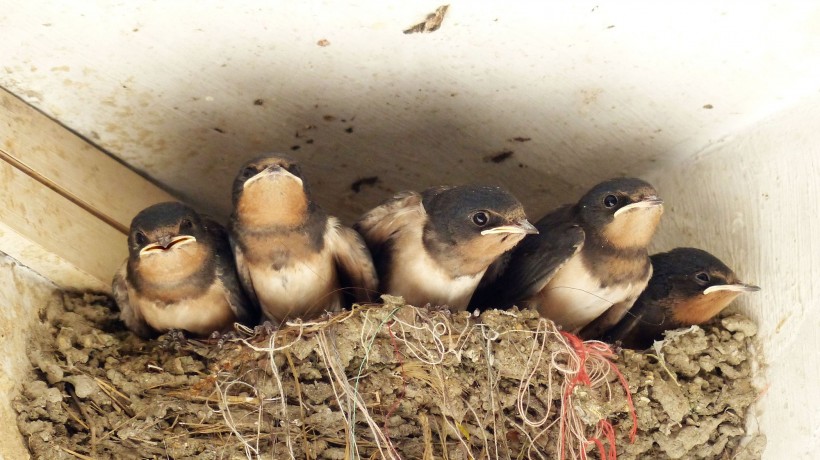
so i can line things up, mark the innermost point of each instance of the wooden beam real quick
(66, 205)
(72, 166)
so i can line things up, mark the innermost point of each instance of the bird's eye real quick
(702, 277)
(610, 201)
(141, 239)
(481, 218)
(186, 224)
(248, 172)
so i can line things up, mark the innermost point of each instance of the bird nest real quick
(387, 381)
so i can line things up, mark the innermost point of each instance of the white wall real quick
(753, 199)
(23, 295)
(716, 102)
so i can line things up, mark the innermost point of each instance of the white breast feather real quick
(305, 287)
(573, 298)
(420, 280)
(200, 315)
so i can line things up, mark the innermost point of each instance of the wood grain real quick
(66, 205)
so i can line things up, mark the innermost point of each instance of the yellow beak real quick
(167, 243)
(272, 171)
(523, 226)
(648, 202)
(739, 287)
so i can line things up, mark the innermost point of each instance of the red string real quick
(600, 349)
(609, 434)
(581, 349)
(600, 446)
(580, 377)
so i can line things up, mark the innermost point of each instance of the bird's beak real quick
(272, 171)
(166, 242)
(648, 202)
(738, 287)
(523, 227)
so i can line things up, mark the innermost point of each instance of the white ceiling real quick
(185, 91)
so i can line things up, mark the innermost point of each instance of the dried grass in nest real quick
(390, 381)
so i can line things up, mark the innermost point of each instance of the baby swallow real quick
(179, 275)
(689, 286)
(293, 259)
(588, 263)
(434, 247)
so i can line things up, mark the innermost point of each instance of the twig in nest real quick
(89, 423)
(282, 395)
(120, 425)
(427, 436)
(400, 398)
(75, 417)
(270, 350)
(227, 415)
(76, 454)
(120, 400)
(491, 383)
(354, 398)
(298, 387)
(227, 399)
(659, 357)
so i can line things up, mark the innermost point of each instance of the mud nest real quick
(388, 381)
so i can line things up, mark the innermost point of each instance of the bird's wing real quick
(626, 331)
(129, 314)
(381, 225)
(524, 271)
(648, 317)
(246, 311)
(243, 272)
(353, 261)
(608, 319)
(605, 321)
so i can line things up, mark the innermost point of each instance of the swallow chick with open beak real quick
(293, 259)
(689, 286)
(434, 247)
(588, 263)
(179, 275)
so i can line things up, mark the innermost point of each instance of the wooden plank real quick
(68, 164)
(66, 205)
(54, 236)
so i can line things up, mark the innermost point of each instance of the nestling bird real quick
(588, 263)
(293, 259)
(689, 286)
(434, 247)
(179, 274)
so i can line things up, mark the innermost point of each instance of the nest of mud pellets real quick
(387, 381)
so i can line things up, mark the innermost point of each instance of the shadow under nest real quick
(387, 381)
